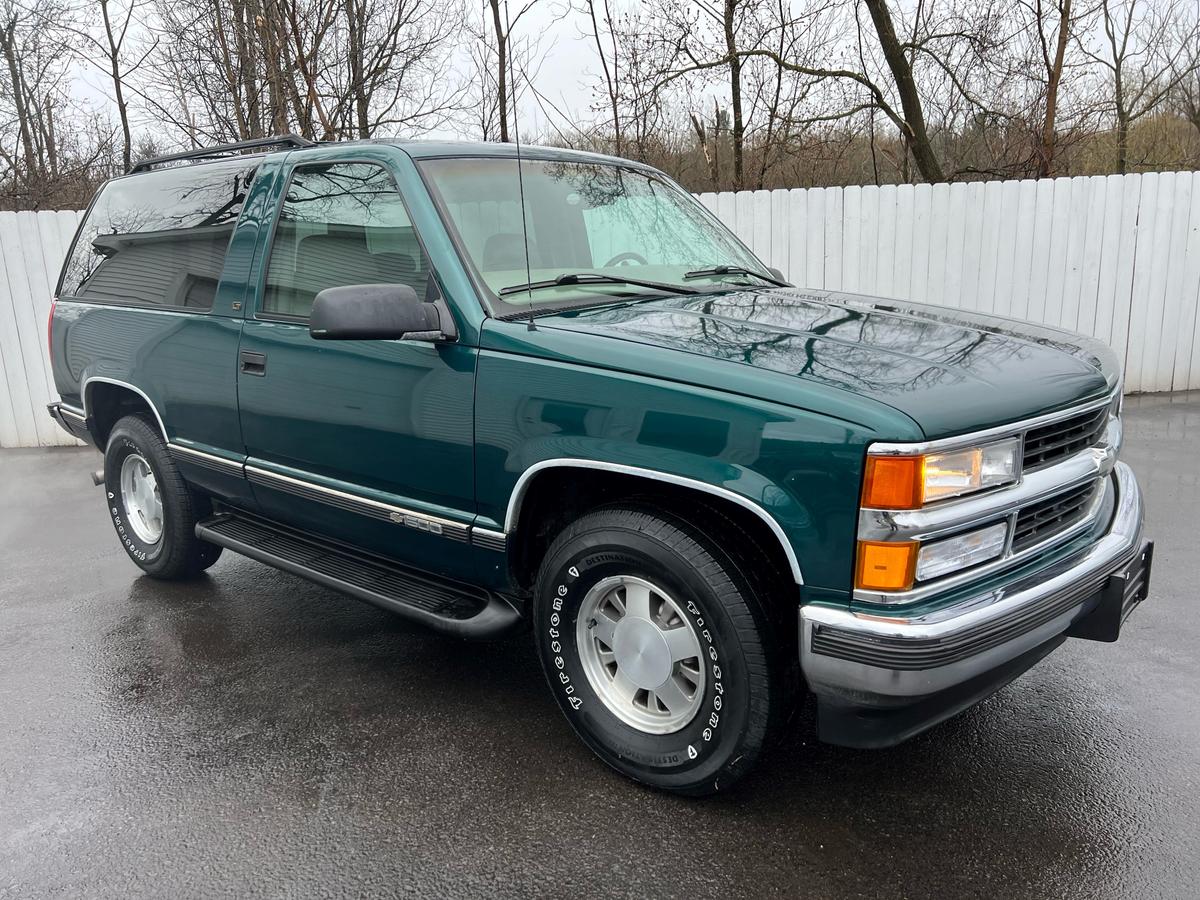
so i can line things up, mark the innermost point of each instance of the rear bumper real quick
(72, 420)
(879, 682)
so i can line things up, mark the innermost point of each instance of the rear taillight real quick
(50, 328)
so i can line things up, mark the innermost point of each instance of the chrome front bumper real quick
(852, 660)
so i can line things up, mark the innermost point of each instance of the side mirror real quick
(373, 312)
(778, 273)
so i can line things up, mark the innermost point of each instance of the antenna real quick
(512, 80)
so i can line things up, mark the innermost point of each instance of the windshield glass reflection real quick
(600, 219)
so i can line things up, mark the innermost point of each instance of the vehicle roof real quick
(424, 149)
(434, 149)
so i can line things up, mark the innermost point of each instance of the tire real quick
(735, 708)
(170, 551)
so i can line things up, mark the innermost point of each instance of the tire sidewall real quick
(123, 443)
(709, 744)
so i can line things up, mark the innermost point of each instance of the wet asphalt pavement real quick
(250, 734)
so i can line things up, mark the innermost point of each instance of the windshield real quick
(606, 220)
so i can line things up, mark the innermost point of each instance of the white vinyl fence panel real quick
(32, 247)
(1115, 257)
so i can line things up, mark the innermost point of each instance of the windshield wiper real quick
(734, 270)
(572, 278)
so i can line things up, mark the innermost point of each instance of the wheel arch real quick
(106, 399)
(529, 480)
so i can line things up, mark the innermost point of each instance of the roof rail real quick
(286, 140)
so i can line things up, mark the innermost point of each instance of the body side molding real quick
(208, 460)
(365, 506)
(482, 537)
(518, 495)
(489, 539)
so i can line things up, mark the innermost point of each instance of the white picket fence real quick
(1115, 257)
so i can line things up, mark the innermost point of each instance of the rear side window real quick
(341, 224)
(158, 239)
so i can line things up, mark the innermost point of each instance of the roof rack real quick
(287, 140)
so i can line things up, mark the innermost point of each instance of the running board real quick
(443, 605)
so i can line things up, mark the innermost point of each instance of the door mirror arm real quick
(448, 330)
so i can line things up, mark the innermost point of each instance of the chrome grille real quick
(1050, 443)
(1042, 520)
(1066, 462)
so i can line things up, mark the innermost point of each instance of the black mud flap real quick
(1120, 596)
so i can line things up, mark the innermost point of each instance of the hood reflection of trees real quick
(855, 349)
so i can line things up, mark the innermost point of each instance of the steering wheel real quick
(626, 259)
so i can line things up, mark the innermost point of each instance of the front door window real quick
(341, 224)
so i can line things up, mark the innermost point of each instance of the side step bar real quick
(443, 605)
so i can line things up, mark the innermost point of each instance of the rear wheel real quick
(153, 510)
(657, 650)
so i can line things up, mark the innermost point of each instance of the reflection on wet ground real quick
(250, 733)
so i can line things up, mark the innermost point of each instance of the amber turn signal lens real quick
(886, 565)
(894, 482)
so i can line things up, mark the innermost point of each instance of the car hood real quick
(951, 371)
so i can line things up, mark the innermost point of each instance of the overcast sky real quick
(570, 61)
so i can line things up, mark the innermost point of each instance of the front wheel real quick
(656, 649)
(152, 508)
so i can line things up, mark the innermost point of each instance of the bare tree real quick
(500, 31)
(114, 43)
(54, 149)
(502, 27)
(1045, 90)
(935, 61)
(326, 69)
(710, 37)
(709, 141)
(900, 64)
(720, 93)
(602, 31)
(103, 29)
(1138, 50)
(393, 74)
(749, 54)
(1054, 69)
(32, 96)
(642, 118)
(1185, 98)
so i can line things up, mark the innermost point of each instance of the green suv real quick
(488, 388)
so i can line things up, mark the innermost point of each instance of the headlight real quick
(898, 565)
(961, 551)
(909, 482)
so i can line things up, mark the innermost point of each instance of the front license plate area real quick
(1119, 597)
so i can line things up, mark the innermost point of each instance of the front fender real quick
(798, 471)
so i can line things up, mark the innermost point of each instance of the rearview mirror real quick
(373, 312)
(777, 273)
